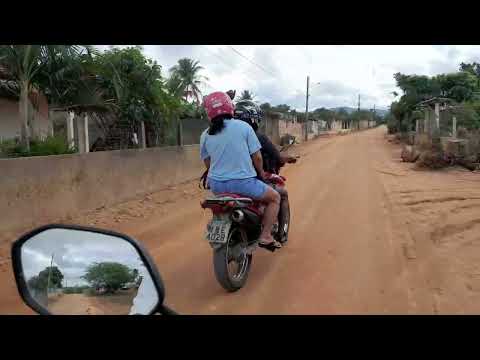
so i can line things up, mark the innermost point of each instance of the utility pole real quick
(373, 116)
(48, 278)
(358, 120)
(306, 110)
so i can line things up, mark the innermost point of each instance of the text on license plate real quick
(217, 231)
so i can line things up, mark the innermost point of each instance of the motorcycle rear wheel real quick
(284, 225)
(232, 251)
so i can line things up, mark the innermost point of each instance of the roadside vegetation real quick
(119, 89)
(461, 91)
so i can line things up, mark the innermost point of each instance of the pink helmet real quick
(218, 103)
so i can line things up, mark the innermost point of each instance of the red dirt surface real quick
(369, 235)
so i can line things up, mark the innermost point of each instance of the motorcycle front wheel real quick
(231, 263)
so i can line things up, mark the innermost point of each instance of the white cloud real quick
(343, 71)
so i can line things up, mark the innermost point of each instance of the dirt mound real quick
(432, 159)
(409, 154)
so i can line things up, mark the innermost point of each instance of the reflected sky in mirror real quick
(73, 251)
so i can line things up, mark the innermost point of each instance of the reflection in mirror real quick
(78, 272)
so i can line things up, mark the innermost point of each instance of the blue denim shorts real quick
(252, 187)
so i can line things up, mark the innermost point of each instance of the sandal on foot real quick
(265, 243)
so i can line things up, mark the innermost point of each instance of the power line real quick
(251, 61)
(223, 62)
(245, 74)
(246, 77)
(259, 66)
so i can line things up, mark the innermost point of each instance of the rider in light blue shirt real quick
(234, 161)
(232, 170)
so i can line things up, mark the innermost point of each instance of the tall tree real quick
(266, 107)
(135, 86)
(459, 86)
(246, 95)
(41, 281)
(185, 79)
(472, 68)
(63, 77)
(283, 108)
(110, 275)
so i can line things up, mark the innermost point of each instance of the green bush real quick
(5, 147)
(51, 145)
(90, 292)
(432, 159)
(75, 290)
(392, 126)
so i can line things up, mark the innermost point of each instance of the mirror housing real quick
(19, 270)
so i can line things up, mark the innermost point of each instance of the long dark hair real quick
(217, 124)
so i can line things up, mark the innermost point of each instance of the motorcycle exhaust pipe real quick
(238, 216)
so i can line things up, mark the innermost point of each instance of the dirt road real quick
(369, 235)
(81, 304)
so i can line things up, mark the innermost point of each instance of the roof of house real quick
(8, 88)
(434, 100)
(82, 108)
(4, 73)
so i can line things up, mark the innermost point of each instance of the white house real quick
(10, 122)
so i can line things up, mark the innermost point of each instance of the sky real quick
(338, 73)
(74, 251)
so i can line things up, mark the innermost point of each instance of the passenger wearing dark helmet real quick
(273, 160)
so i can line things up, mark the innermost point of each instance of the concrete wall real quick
(38, 190)
(192, 129)
(294, 129)
(473, 138)
(363, 124)
(270, 127)
(313, 128)
(337, 125)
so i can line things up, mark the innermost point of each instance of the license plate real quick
(217, 231)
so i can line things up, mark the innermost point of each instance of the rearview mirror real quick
(72, 270)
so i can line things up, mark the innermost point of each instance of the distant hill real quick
(380, 112)
(345, 108)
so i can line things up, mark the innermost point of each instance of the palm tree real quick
(65, 74)
(174, 86)
(246, 95)
(23, 64)
(185, 79)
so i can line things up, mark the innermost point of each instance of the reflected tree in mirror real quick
(49, 278)
(47, 281)
(108, 277)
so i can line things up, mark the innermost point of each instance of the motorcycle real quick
(234, 230)
(77, 270)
